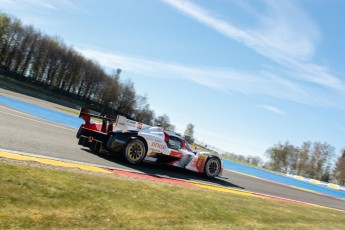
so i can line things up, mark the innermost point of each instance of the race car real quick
(138, 142)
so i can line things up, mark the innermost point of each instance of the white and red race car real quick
(138, 142)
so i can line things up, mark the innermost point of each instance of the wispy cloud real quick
(288, 41)
(37, 5)
(8, 3)
(276, 35)
(44, 4)
(272, 109)
(263, 82)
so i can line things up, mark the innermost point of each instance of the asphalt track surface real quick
(26, 133)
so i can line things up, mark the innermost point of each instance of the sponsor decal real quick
(131, 122)
(139, 125)
(157, 145)
(175, 153)
(200, 163)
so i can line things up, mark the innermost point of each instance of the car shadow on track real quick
(164, 171)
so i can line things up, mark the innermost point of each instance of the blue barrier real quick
(230, 165)
(41, 112)
(321, 183)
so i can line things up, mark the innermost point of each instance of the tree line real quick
(314, 160)
(27, 52)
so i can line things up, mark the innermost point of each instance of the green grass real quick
(37, 198)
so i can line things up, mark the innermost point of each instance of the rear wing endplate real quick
(110, 124)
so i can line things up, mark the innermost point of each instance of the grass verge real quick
(43, 198)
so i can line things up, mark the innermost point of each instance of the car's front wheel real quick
(212, 167)
(135, 151)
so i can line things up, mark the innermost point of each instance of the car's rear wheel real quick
(212, 167)
(135, 151)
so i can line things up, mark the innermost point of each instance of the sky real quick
(248, 74)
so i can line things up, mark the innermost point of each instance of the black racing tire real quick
(135, 151)
(212, 167)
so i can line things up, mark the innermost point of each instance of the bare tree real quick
(281, 157)
(164, 121)
(5, 22)
(339, 170)
(320, 160)
(110, 90)
(126, 99)
(304, 153)
(11, 41)
(311, 159)
(254, 160)
(142, 112)
(28, 49)
(189, 133)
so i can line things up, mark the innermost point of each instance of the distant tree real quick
(303, 159)
(5, 25)
(117, 73)
(125, 102)
(326, 174)
(282, 158)
(339, 170)
(44, 54)
(320, 160)
(28, 50)
(164, 121)
(142, 112)
(254, 160)
(12, 31)
(231, 155)
(110, 91)
(312, 160)
(189, 133)
(241, 157)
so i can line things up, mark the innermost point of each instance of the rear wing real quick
(110, 123)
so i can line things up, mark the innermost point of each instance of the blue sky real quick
(247, 74)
